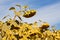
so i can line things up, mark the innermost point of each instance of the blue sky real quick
(47, 10)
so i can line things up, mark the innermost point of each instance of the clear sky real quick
(47, 10)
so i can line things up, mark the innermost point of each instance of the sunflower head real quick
(29, 13)
(18, 5)
(45, 25)
(25, 6)
(12, 8)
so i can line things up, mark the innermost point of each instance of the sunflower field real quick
(13, 29)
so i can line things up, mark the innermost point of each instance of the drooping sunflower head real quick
(18, 5)
(29, 13)
(45, 25)
(12, 8)
(25, 6)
